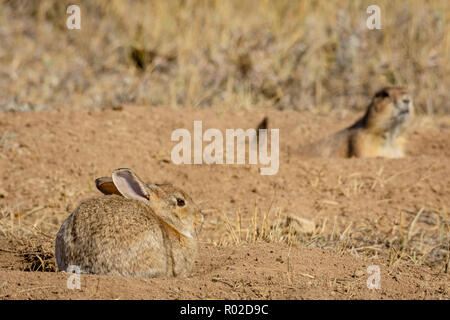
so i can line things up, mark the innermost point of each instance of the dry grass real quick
(22, 235)
(288, 54)
(418, 236)
(421, 238)
(33, 253)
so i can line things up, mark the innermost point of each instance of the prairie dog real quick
(379, 133)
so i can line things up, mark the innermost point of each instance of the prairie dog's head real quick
(390, 109)
(170, 204)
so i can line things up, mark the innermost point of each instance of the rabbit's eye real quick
(180, 202)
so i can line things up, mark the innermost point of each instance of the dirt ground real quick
(346, 214)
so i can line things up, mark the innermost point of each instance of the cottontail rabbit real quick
(134, 230)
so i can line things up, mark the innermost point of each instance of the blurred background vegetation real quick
(305, 55)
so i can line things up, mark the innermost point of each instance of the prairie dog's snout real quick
(404, 104)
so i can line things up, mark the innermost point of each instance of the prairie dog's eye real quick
(180, 202)
(382, 94)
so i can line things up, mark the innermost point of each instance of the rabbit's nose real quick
(406, 100)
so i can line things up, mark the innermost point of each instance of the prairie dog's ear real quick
(378, 98)
(264, 124)
(129, 185)
(106, 186)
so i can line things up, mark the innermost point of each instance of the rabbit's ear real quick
(129, 185)
(106, 186)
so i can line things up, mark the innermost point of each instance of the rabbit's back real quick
(116, 236)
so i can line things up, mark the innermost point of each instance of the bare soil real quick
(393, 213)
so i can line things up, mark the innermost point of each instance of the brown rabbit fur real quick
(134, 230)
